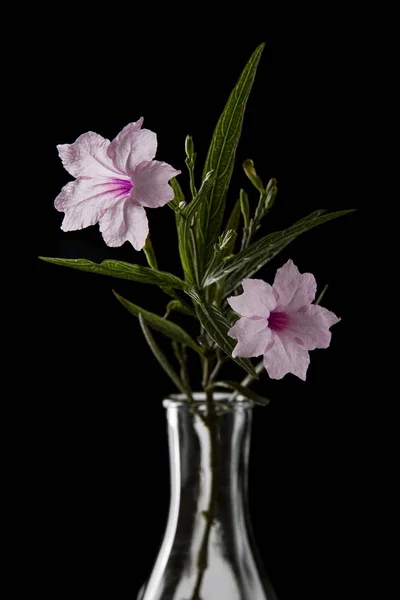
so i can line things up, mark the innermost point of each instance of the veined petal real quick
(87, 157)
(295, 289)
(311, 326)
(132, 146)
(85, 200)
(125, 222)
(257, 300)
(286, 356)
(253, 337)
(150, 183)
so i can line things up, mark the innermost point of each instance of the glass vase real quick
(208, 551)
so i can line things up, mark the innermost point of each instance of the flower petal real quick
(132, 146)
(311, 326)
(286, 356)
(257, 300)
(87, 157)
(125, 222)
(85, 200)
(253, 337)
(295, 289)
(150, 183)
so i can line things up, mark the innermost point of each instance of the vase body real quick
(208, 552)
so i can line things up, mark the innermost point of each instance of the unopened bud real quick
(250, 171)
(189, 146)
(271, 183)
(269, 202)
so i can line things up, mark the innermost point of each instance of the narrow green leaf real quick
(177, 306)
(178, 195)
(221, 157)
(185, 223)
(245, 208)
(244, 391)
(168, 328)
(121, 270)
(231, 230)
(150, 254)
(322, 294)
(250, 260)
(233, 223)
(193, 206)
(217, 328)
(162, 359)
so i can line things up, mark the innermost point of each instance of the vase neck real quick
(208, 461)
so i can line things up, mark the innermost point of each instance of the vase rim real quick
(180, 400)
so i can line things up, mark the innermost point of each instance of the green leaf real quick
(228, 247)
(178, 195)
(233, 223)
(168, 328)
(178, 306)
(244, 391)
(221, 157)
(185, 224)
(162, 359)
(249, 261)
(121, 270)
(245, 208)
(217, 328)
(193, 206)
(322, 294)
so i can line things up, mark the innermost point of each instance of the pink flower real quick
(114, 182)
(280, 322)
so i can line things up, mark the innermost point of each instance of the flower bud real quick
(250, 171)
(270, 199)
(271, 183)
(189, 146)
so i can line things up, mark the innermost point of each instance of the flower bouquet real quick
(208, 551)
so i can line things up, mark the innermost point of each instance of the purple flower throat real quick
(278, 321)
(122, 187)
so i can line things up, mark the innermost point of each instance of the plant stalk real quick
(209, 514)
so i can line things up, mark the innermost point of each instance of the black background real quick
(98, 463)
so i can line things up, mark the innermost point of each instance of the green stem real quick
(248, 379)
(216, 370)
(209, 514)
(181, 356)
(190, 166)
(322, 294)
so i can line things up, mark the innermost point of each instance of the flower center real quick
(277, 321)
(122, 186)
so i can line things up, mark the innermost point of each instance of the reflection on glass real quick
(208, 552)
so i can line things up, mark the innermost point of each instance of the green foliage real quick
(249, 261)
(244, 391)
(121, 270)
(162, 359)
(212, 270)
(185, 226)
(179, 197)
(220, 159)
(158, 323)
(217, 328)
